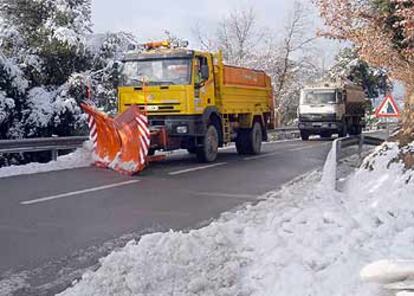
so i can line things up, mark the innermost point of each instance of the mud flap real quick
(120, 143)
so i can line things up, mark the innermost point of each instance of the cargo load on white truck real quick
(331, 107)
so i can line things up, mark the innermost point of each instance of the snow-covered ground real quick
(306, 239)
(82, 157)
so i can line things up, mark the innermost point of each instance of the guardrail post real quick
(360, 145)
(338, 150)
(54, 154)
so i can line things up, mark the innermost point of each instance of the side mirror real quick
(204, 72)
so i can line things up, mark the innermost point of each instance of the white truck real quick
(331, 107)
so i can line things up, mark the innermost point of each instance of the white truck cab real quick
(328, 108)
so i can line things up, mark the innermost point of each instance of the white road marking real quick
(79, 192)
(282, 141)
(279, 152)
(262, 156)
(310, 146)
(197, 168)
(232, 146)
(232, 195)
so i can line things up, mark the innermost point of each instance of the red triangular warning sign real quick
(387, 108)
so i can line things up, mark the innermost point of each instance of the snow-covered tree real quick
(349, 65)
(238, 35)
(44, 39)
(42, 43)
(103, 77)
(294, 73)
(375, 81)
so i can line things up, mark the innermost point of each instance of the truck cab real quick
(173, 87)
(195, 102)
(331, 108)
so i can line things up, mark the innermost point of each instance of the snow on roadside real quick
(82, 157)
(305, 239)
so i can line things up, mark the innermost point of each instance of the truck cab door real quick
(203, 83)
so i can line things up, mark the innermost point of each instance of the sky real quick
(149, 19)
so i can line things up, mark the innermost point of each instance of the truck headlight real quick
(182, 129)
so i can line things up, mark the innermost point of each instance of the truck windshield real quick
(314, 97)
(157, 72)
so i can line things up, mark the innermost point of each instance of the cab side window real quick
(340, 97)
(201, 70)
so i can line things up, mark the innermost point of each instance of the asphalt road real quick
(53, 225)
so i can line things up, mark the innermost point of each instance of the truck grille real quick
(317, 117)
(153, 108)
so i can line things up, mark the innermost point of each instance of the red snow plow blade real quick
(120, 143)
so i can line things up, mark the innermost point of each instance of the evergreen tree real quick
(45, 40)
(42, 43)
(348, 65)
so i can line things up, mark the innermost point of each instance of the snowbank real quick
(82, 157)
(306, 239)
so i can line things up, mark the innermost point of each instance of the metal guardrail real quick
(356, 140)
(286, 129)
(286, 132)
(53, 144)
(360, 141)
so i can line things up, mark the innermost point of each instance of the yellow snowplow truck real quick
(173, 98)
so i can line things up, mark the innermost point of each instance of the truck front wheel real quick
(304, 135)
(208, 152)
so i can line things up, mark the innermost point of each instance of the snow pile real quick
(303, 240)
(82, 157)
(388, 271)
(328, 179)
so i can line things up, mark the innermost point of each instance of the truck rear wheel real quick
(208, 152)
(255, 139)
(249, 141)
(356, 130)
(241, 141)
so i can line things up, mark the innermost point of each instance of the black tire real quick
(255, 138)
(208, 152)
(326, 135)
(344, 131)
(304, 135)
(356, 130)
(192, 150)
(151, 152)
(249, 141)
(241, 141)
